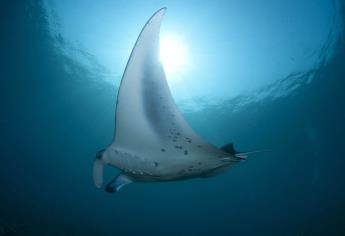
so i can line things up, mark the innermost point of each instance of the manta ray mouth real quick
(99, 154)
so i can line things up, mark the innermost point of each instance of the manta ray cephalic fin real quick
(97, 172)
(117, 183)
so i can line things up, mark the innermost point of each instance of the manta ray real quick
(152, 140)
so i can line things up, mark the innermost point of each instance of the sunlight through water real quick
(173, 54)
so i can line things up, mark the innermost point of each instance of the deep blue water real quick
(52, 123)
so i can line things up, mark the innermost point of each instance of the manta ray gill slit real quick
(173, 54)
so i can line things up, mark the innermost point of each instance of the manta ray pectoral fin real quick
(117, 183)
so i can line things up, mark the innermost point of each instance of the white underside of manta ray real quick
(152, 141)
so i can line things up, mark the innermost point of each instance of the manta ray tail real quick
(229, 148)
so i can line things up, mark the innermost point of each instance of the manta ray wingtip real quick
(161, 10)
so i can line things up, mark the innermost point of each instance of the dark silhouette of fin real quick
(229, 148)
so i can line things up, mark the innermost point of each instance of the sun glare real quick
(173, 53)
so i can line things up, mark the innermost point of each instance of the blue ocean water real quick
(56, 114)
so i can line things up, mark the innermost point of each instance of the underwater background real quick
(57, 110)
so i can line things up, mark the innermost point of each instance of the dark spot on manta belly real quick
(156, 163)
(163, 150)
(185, 152)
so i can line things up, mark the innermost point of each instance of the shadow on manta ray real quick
(152, 141)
